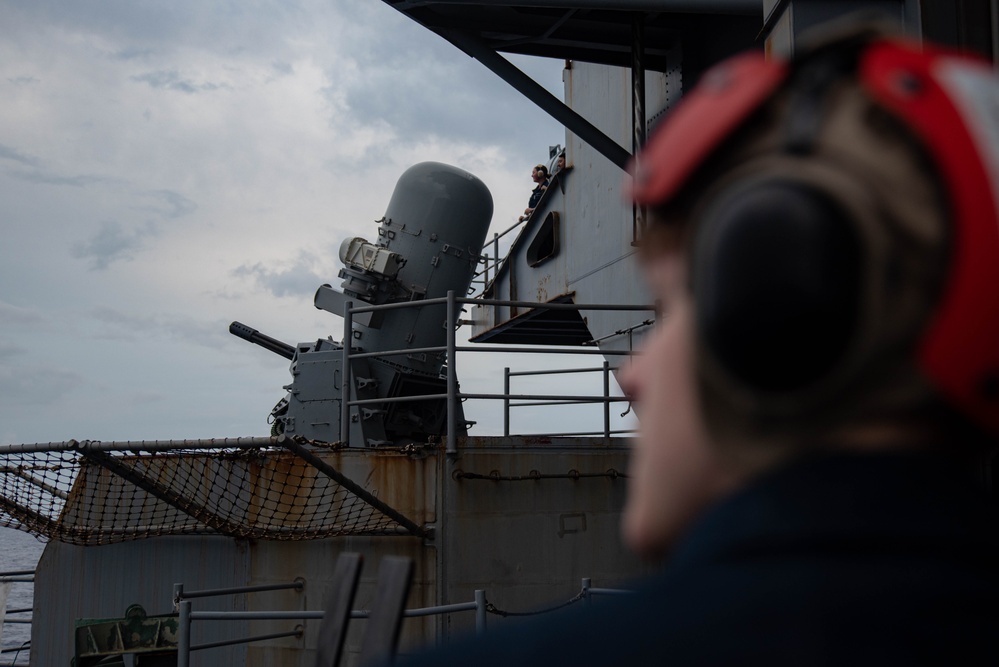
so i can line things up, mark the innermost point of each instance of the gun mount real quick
(428, 244)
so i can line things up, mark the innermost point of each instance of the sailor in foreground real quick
(823, 385)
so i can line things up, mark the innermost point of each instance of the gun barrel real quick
(274, 345)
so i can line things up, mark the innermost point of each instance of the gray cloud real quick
(23, 80)
(8, 153)
(170, 204)
(301, 278)
(116, 325)
(35, 386)
(146, 397)
(132, 53)
(170, 80)
(420, 85)
(46, 178)
(110, 244)
(11, 350)
(10, 314)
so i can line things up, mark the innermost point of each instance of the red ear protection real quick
(950, 103)
(728, 94)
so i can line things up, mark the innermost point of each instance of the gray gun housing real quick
(428, 243)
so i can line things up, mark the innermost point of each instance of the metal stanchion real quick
(184, 635)
(480, 612)
(452, 378)
(348, 337)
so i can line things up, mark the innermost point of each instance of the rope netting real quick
(85, 493)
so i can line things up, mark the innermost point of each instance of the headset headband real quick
(950, 102)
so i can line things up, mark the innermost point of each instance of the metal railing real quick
(450, 350)
(480, 605)
(606, 399)
(497, 261)
(186, 615)
(16, 577)
(589, 591)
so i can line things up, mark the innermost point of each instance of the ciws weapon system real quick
(428, 244)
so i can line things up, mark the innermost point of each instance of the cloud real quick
(301, 278)
(132, 53)
(117, 325)
(111, 244)
(46, 178)
(23, 80)
(146, 397)
(11, 350)
(170, 80)
(8, 153)
(10, 314)
(173, 204)
(35, 386)
(420, 86)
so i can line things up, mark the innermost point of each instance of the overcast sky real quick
(168, 167)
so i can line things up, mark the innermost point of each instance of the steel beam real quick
(744, 7)
(536, 93)
(322, 466)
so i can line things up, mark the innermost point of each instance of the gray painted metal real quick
(748, 7)
(381, 636)
(478, 544)
(180, 594)
(316, 615)
(429, 239)
(333, 631)
(139, 445)
(184, 635)
(533, 91)
(595, 263)
(331, 301)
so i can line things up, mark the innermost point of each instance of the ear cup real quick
(776, 277)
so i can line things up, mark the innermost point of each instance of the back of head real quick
(839, 214)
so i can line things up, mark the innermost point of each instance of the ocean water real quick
(18, 551)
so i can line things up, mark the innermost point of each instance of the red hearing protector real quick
(950, 103)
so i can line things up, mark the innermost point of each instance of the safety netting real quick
(91, 493)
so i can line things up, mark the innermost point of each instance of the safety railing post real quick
(480, 612)
(452, 377)
(506, 402)
(184, 634)
(496, 266)
(495, 253)
(587, 584)
(178, 595)
(606, 400)
(348, 337)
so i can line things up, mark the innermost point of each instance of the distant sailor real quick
(540, 177)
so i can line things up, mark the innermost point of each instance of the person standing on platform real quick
(540, 177)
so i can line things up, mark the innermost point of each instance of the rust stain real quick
(543, 288)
